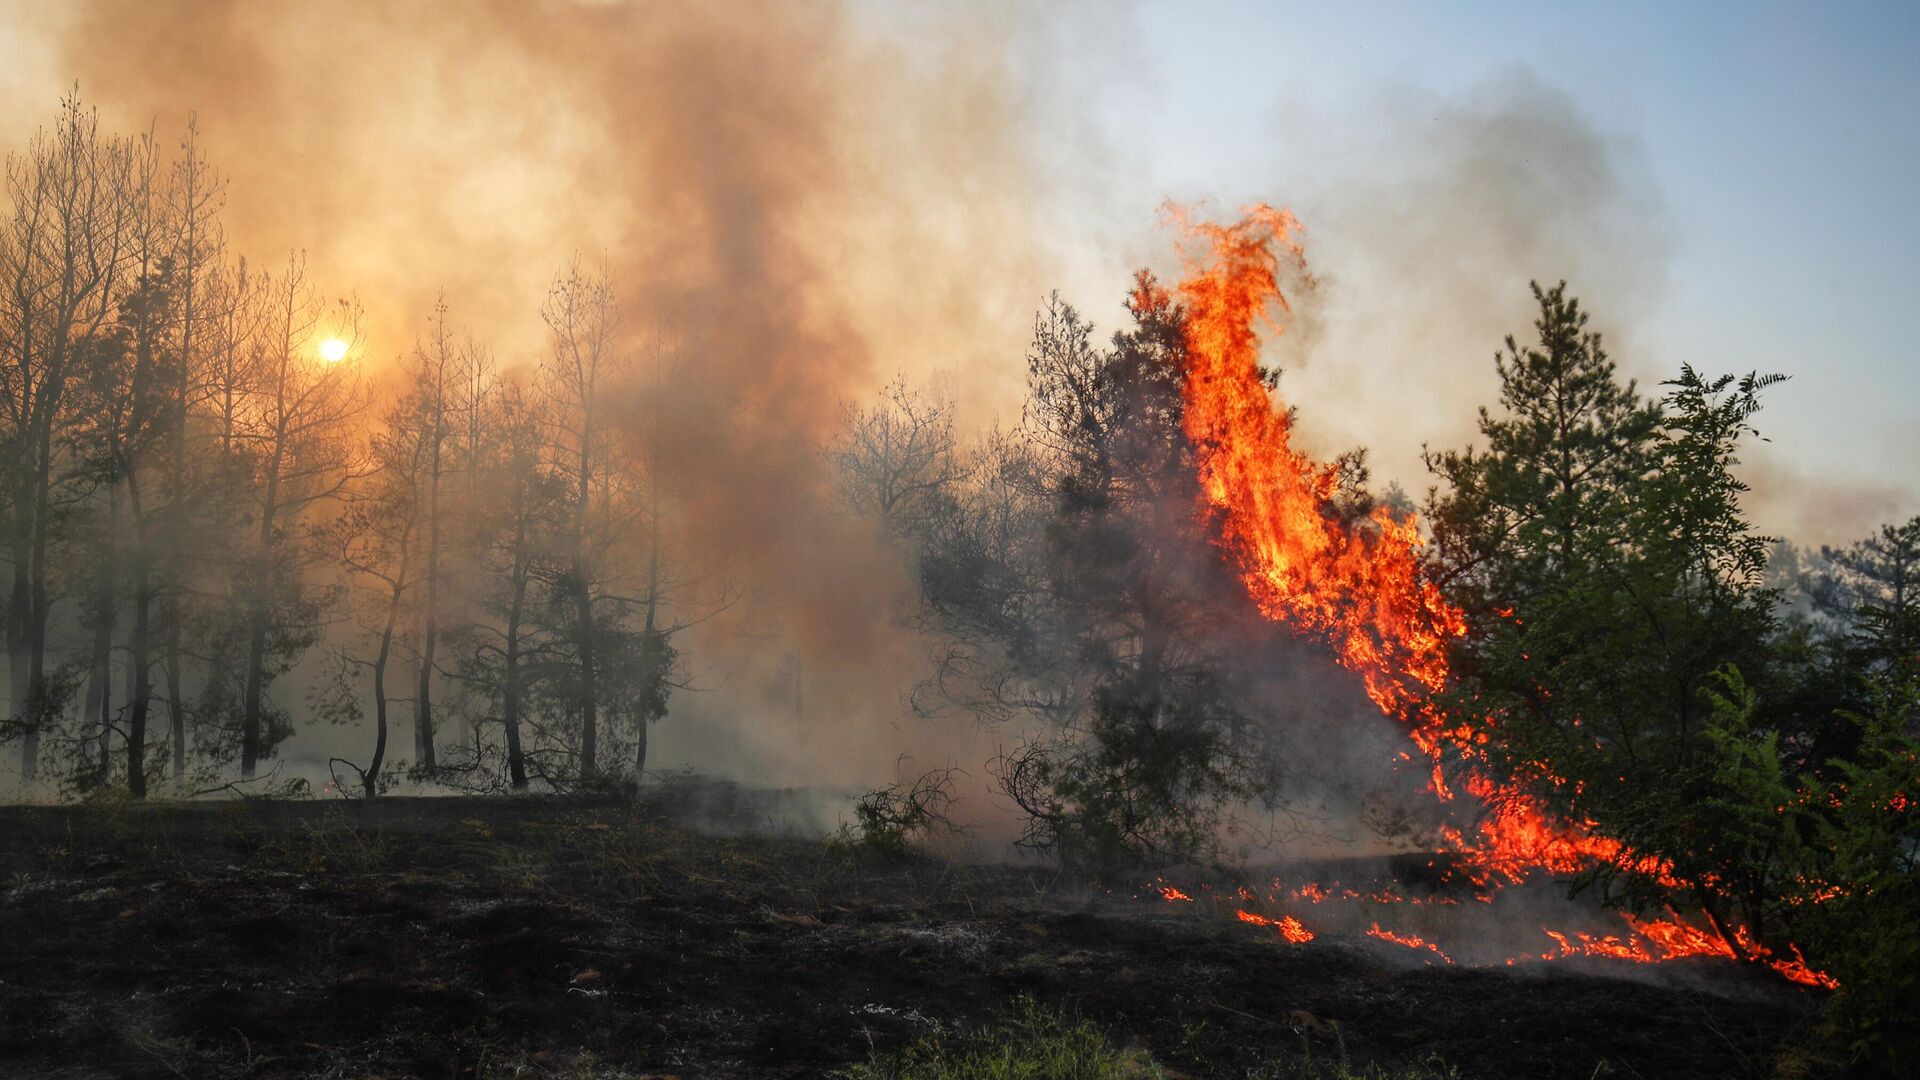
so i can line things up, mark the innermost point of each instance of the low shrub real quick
(1034, 1042)
(887, 821)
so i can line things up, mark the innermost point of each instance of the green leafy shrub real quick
(1831, 857)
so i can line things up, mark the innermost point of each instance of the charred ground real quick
(549, 936)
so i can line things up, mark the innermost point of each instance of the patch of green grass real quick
(331, 846)
(626, 856)
(1034, 1043)
(1323, 1056)
(1337, 1067)
(1037, 1042)
(551, 1066)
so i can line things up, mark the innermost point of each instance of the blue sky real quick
(1782, 143)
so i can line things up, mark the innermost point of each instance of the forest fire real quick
(1355, 582)
(753, 539)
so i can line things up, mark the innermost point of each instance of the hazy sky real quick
(1728, 185)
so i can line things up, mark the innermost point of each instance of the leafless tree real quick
(584, 319)
(299, 427)
(65, 247)
(896, 460)
(436, 376)
(128, 376)
(529, 512)
(197, 196)
(378, 539)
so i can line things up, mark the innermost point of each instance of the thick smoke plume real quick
(789, 202)
(1425, 218)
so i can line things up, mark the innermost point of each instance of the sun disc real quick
(333, 350)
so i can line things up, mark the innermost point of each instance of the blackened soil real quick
(550, 937)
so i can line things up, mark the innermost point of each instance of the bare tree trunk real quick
(510, 673)
(583, 600)
(38, 600)
(372, 776)
(140, 659)
(199, 192)
(262, 590)
(23, 682)
(250, 714)
(435, 435)
(430, 632)
(17, 619)
(510, 691)
(176, 704)
(652, 619)
(142, 663)
(424, 713)
(173, 614)
(475, 394)
(98, 705)
(258, 612)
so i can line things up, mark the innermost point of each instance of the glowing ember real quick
(1289, 927)
(1608, 945)
(1409, 940)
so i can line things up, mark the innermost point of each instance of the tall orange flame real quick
(1359, 587)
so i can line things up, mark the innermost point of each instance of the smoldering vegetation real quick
(564, 937)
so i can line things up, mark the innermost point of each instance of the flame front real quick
(1357, 585)
(1411, 941)
(1289, 927)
